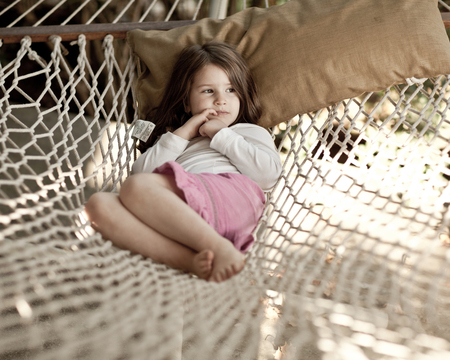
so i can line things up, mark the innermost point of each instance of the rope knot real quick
(26, 41)
(108, 40)
(81, 40)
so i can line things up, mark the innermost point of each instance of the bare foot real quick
(228, 261)
(202, 264)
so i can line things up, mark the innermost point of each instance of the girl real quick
(196, 193)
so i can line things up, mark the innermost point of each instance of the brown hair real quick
(170, 114)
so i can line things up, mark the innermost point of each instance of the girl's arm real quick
(251, 149)
(167, 148)
(171, 145)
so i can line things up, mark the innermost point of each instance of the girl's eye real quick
(208, 91)
(231, 90)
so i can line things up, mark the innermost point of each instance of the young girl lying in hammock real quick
(196, 193)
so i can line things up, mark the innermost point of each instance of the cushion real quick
(308, 54)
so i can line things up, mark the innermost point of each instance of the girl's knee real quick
(137, 185)
(134, 187)
(97, 206)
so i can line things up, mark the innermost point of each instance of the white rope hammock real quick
(352, 254)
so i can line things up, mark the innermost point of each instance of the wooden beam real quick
(92, 31)
(99, 31)
(446, 19)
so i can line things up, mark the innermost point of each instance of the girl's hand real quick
(190, 129)
(211, 128)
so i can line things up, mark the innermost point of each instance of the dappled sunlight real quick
(110, 163)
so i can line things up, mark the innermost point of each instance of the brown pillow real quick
(309, 54)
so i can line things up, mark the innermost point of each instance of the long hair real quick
(171, 114)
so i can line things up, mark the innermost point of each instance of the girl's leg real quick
(156, 201)
(108, 216)
(173, 218)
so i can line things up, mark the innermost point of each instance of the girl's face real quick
(212, 89)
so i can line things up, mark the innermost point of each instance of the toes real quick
(234, 269)
(206, 256)
(216, 278)
(223, 270)
(203, 264)
(223, 275)
(206, 267)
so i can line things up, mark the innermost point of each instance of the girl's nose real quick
(220, 100)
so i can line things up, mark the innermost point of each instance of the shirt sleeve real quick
(168, 148)
(252, 150)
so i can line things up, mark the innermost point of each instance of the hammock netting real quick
(352, 254)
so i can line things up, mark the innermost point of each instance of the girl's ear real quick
(187, 108)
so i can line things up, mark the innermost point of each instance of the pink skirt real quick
(231, 203)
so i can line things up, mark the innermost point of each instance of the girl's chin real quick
(225, 119)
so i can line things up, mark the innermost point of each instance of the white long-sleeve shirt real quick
(242, 148)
